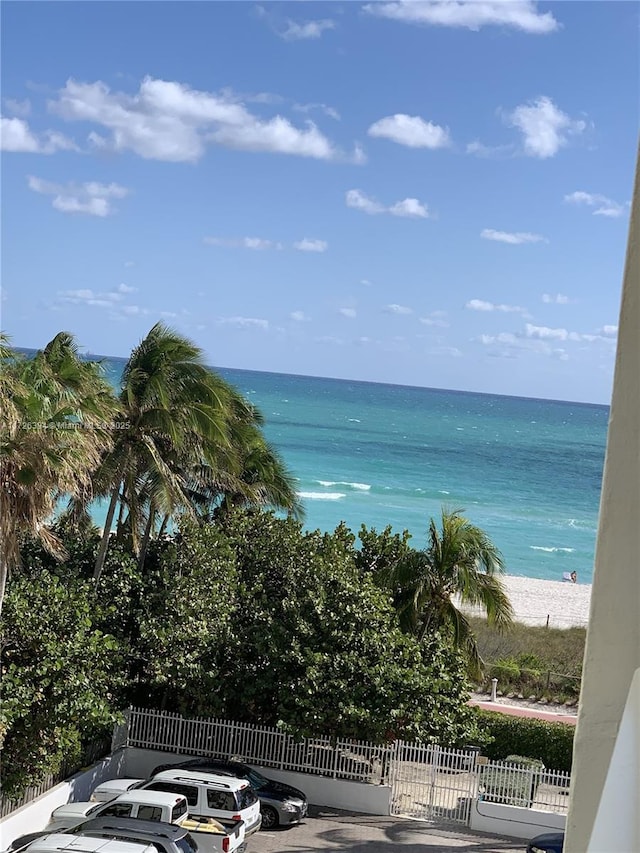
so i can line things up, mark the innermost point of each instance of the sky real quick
(421, 193)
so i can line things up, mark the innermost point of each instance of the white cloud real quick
(545, 333)
(544, 126)
(609, 331)
(91, 198)
(502, 338)
(411, 131)
(328, 111)
(359, 156)
(18, 108)
(359, 201)
(306, 30)
(365, 281)
(124, 288)
(555, 299)
(514, 238)
(298, 317)
(519, 14)
(435, 318)
(479, 149)
(16, 136)
(167, 120)
(254, 243)
(244, 322)
(603, 206)
(347, 312)
(307, 245)
(408, 207)
(95, 299)
(446, 350)
(398, 309)
(482, 305)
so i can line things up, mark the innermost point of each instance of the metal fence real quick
(528, 787)
(91, 753)
(430, 782)
(340, 759)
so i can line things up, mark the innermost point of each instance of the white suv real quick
(208, 795)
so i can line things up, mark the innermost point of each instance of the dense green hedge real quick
(551, 743)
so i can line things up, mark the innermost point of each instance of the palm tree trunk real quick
(4, 571)
(104, 542)
(119, 523)
(144, 545)
(163, 526)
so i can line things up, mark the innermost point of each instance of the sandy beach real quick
(564, 604)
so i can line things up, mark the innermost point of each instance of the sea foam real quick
(321, 496)
(551, 550)
(361, 487)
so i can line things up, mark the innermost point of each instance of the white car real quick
(144, 805)
(207, 795)
(61, 843)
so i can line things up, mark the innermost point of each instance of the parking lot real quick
(328, 829)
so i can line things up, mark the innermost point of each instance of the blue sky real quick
(423, 193)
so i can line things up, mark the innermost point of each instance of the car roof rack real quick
(196, 778)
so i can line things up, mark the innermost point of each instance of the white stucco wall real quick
(612, 653)
(320, 790)
(512, 821)
(37, 814)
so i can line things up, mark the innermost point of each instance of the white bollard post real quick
(494, 689)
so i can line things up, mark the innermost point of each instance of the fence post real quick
(336, 754)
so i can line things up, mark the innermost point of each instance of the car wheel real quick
(269, 817)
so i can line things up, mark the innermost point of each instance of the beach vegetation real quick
(460, 565)
(532, 659)
(550, 743)
(249, 618)
(53, 411)
(191, 441)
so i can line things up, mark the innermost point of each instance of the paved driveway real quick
(344, 832)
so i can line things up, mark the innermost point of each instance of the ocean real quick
(527, 471)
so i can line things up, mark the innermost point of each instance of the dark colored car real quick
(280, 804)
(549, 842)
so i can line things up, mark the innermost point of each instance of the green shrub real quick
(525, 761)
(505, 670)
(509, 785)
(551, 743)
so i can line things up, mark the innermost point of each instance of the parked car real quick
(164, 837)
(58, 842)
(216, 836)
(280, 804)
(145, 805)
(549, 842)
(207, 795)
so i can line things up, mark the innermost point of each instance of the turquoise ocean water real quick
(527, 471)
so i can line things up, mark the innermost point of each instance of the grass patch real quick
(531, 660)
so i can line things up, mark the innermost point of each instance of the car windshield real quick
(247, 797)
(95, 808)
(187, 844)
(257, 779)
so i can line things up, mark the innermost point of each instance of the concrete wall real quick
(320, 790)
(513, 821)
(37, 814)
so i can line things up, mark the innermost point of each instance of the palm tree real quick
(187, 439)
(52, 408)
(172, 406)
(459, 563)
